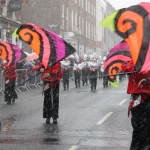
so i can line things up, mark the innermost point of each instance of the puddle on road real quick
(48, 134)
(7, 123)
(50, 140)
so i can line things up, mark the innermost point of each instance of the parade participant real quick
(138, 87)
(10, 78)
(51, 79)
(65, 66)
(99, 70)
(89, 62)
(85, 72)
(77, 72)
(105, 77)
(93, 74)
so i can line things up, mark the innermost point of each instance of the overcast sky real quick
(117, 4)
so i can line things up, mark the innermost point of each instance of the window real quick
(76, 18)
(63, 22)
(86, 30)
(72, 18)
(82, 3)
(79, 2)
(67, 14)
(67, 18)
(92, 10)
(79, 19)
(89, 7)
(86, 5)
(63, 10)
(92, 32)
(82, 24)
(89, 30)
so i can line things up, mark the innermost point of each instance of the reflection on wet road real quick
(22, 125)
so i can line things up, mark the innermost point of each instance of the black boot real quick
(48, 121)
(13, 100)
(8, 101)
(54, 120)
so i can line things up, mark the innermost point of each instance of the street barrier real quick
(27, 79)
(1, 82)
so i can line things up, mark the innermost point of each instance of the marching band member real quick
(65, 66)
(77, 72)
(85, 72)
(93, 73)
(10, 79)
(51, 78)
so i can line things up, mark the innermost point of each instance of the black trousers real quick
(140, 121)
(105, 81)
(84, 80)
(51, 102)
(10, 92)
(93, 83)
(66, 83)
(77, 80)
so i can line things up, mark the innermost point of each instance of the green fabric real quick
(15, 33)
(115, 84)
(108, 22)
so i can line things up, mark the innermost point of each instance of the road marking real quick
(104, 118)
(2, 105)
(122, 102)
(67, 89)
(36, 96)
(74, 147)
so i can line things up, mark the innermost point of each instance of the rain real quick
(74, 75)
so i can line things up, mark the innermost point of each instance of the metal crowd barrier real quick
(1, 82)
(26, 81)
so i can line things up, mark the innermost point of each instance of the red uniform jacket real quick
(10, 72)
(134, 79)
(55, 74)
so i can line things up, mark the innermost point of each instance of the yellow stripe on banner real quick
(115, 84)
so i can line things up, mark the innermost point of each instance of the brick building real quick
(10, 18)
(64, 17)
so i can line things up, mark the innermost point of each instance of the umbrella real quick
(32, 56)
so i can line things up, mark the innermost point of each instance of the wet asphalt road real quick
(87, 120)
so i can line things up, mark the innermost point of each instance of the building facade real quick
(76, 21)
(63, 17)
(10, 19)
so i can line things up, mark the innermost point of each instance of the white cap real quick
(104, 58)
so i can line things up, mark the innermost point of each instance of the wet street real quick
(87, 120)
